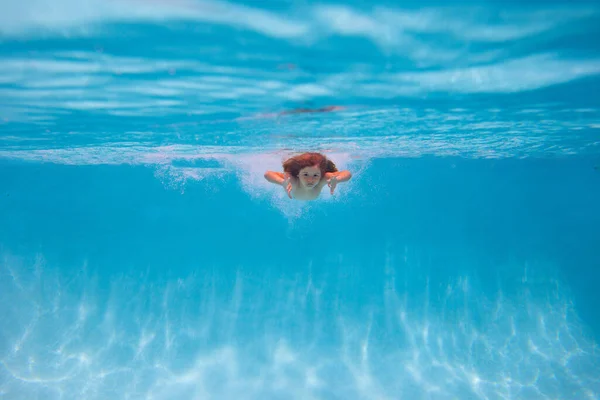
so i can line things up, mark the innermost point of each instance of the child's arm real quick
(333, 178)
(341, 176)
(275, 177)
(282, 179)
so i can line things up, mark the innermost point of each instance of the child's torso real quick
(301, 193)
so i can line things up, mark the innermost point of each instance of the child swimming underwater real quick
(305, 175)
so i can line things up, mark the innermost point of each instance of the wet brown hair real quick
(296, 163)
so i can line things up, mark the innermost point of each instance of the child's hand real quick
(287, 185)
(332, 183)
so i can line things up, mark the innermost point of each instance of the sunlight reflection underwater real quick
(64, 338)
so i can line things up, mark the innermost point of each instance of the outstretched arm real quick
(333, 178)
(282, 179)
(340, 176)
(275, 177)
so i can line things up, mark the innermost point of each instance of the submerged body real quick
(305, 176)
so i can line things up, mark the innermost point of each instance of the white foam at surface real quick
(351, 140)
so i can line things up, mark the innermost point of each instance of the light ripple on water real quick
(364, 132)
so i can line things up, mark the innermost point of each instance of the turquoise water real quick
(144, 256)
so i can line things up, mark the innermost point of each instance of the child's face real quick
(309, 176)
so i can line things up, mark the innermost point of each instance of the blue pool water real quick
(144, 256)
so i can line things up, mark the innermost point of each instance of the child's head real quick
(309, 168)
